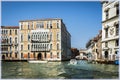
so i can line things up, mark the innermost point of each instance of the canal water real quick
(58, 70)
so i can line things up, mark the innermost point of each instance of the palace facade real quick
(44, 39)
(110, 30)
(9, 42)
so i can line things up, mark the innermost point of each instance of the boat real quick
(37, 61)
(73, 61)
(117, 62)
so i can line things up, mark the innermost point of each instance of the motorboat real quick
(37, 61)
(73, 61)
(117, 62)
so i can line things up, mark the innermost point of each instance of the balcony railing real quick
(4, 51)
(37, 50)
(40, 40)
(16, 51)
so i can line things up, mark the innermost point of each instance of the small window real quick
(117, 42)
(47, 24)
(51, 36)
(117, 9)
(15, 47)
(28, 47)
(21, 55)
(21, 38)
(10, 40)
(28, 25)
(10, 54)
(57, 24)
(45, 55)
(51, 24)
(57, 36)
(57, 46)
(51, 56)
(51, 46)
(16, 40)
(28, 55)
(106, 33)
(28, 37)
(21, 47)
(15, 55)
(10, 32)
(6, 54)
(57, 54)
(15, 32)
(106, 44)
(117, 29)
(34, 54)
(21, 26)
(107, 13)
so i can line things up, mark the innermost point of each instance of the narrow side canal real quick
(58, 70)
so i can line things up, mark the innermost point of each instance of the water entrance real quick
(39, 56)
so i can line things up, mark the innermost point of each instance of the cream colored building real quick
(9, 42)
(110, 29)
(44, 39)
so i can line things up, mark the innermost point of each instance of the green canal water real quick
(58, 70)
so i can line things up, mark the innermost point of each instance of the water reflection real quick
(58, 70)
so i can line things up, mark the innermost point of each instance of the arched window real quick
(51, 46)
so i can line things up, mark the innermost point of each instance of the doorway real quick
(3, 57)
(106, 54)
(39, 56)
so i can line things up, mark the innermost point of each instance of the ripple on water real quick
(57, 70)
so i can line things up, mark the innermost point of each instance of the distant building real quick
(94, 47)
(9, 42)
(75, 52)
(83, 54)
(97, 46)
(44, 39)
(110, 29)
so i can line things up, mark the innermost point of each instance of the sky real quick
(82, 19)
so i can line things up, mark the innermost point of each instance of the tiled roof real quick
(10, 27)
(42, 19)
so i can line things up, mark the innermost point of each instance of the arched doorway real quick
(3, 57)
(106, 54)
(39, 56)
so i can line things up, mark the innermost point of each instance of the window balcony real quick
(16, 44)
(4, 52)
(40, 41)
